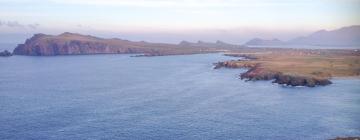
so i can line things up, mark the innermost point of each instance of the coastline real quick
(295, 70)
(289, 66)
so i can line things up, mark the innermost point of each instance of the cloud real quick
(33, 26)
(179, 3)
(16, 24)
(13, 24)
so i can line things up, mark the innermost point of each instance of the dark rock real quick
(5, 53)
(257, 73)
(233, 64)
(294, 80)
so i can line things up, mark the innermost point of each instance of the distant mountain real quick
(217, 44)
(72, 44)
(346, 36)
(258, 41)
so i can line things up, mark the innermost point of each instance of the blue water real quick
(168, 97)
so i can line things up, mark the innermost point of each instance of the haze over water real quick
(167, 97)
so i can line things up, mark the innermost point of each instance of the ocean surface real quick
(307, 47)
(11, 46)
(167, 97)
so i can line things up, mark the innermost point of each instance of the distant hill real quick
(345, 36)
(217, 44)
(258, 41)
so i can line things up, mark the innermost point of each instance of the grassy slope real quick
(321, 63)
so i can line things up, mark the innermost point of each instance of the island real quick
(286, 66)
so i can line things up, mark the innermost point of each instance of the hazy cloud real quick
(16, 24)
(13, 24)
(33, 26)
(179, 3)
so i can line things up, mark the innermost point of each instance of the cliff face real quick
(72, 44)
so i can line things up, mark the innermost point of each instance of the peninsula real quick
(295, 67)
(77, 44)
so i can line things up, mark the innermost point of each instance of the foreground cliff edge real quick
(294, 67)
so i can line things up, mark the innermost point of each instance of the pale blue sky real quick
(204, 19)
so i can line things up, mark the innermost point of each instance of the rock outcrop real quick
(257, 73)
(233, 64)
(5, 53)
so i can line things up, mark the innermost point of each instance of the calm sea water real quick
(168, 97)
(308, 47)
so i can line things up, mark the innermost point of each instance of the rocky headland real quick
(295, 67)
(256, 72)
(77, 44)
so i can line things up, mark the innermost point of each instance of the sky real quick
(233, 21)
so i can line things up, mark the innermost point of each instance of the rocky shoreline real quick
(255, 72)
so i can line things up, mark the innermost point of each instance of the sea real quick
(166, 97)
